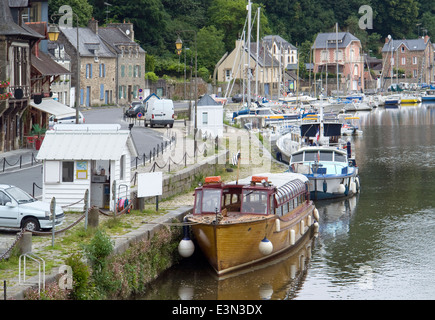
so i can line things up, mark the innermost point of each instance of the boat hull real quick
(234, 242)
(326, 188)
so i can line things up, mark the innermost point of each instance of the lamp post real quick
(179, 46)
(53, 35)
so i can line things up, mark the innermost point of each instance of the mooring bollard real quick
(93, 217)
(25, 243)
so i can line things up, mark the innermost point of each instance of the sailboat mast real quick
(249, 54)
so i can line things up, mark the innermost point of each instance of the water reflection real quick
(279, 279)
(377, 245)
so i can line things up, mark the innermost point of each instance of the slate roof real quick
(46, 66)
(411, 45)
(329, 40)
(88, 41)
(284, 43)
(115, 37)
(207, 100)
(9, 28)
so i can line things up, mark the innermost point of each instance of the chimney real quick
(93, 25)
(426, 38)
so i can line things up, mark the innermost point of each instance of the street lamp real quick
(53, 35)
(179, 46)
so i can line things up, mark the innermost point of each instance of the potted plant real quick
(39, 132)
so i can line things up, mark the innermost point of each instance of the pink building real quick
(350, 58)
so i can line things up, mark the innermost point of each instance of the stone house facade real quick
(275, 55)
(130, 63)
(414, 56)
(97, 64)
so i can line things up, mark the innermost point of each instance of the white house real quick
(80, 157)
(209, 116)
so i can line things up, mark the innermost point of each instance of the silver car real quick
(18, 209)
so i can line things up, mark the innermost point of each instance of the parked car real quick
(70, 118)
(18, 209)
(237, 98)
(135, 108)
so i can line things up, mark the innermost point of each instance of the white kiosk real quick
(80, 157)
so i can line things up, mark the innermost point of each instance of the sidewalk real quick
(14, 160)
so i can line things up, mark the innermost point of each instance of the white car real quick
(18, 209)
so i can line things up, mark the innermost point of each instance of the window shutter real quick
(102, 91)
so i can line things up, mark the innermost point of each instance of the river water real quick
(377, 245)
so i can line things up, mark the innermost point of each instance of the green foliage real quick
(99, 248)
(81, 8)
(82, 284)
(38, 130)
(151, 76)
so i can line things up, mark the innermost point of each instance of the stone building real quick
(130, 63)
(97, 64)
(414, 56)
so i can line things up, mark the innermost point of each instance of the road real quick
(145, 139)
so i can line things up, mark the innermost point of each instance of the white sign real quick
(149, 184)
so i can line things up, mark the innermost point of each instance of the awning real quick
(54, 107)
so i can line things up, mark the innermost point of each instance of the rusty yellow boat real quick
(242, 223)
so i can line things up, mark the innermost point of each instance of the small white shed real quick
(209, 116)
(78, 157)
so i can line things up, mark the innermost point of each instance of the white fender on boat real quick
(353, 187)
(341, 188)
(316, 227)
(309, 220)
(277, 225)
(302, 227)
(292, 237)
(357, 184)
(186, 248)
(265, 246)
(316, 214)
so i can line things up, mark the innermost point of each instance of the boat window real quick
(254, 201)
(311, 156)
(298, 157)
(198, 201)
(326, 156)
(340, 157)
(211, 200)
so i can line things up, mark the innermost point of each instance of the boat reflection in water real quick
(335, 216)
(279, 279)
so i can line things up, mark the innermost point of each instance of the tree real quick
(81, 8)
(211, 47)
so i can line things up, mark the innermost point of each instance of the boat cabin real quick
(256, 195)
(320, 161)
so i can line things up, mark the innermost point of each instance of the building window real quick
(227, 75)
(102, 70)
(88, 71)
(403, 49)
(414, 60)
(415, 73)
(403, 61)
(67, 171)
(205, 118)
(122, 71)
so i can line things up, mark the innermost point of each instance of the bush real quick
(82, 286)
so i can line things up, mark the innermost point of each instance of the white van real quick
(69, 118)
(159, 112)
